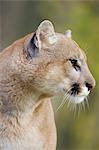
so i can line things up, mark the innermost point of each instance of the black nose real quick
(89, 86)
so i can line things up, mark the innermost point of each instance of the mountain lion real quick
(32, 70)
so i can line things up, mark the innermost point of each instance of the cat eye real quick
(75, 64)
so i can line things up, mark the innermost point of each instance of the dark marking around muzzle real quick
(75, 89)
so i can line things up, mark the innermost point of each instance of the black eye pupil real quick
(73, 61)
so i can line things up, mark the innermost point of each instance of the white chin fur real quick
(76, 99)
(79, 98)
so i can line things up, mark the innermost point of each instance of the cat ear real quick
(44, 34)
(68, 33)
(32, 48)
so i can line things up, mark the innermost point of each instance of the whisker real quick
(63, 101)
(66, 97)
(75, 110)
(87, 103)
(61, 105)
(68, 102)
(83, 105)
(79, 110)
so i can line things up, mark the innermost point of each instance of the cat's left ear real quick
(44, 35)
(68, 33)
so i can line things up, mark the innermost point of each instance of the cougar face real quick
(59, 65)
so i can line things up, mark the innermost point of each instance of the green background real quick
(18, 18)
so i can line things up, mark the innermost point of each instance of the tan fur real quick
(26, 86)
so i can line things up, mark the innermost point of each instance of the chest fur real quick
(38, 133)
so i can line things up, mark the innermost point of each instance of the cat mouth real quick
(76, 94)
(75, 99)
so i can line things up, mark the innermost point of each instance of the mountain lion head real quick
(53, 63)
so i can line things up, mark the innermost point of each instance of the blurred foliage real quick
(18, 18)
